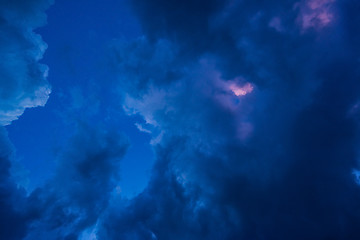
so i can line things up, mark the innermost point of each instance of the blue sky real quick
(169, 119)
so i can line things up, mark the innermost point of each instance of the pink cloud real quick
(230, 97)
(315, 14)
(230, 94)
(241, 91)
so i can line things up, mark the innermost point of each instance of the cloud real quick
(22, 85)
(82, 186)
(275, 163)
(23, 81)
(72, 201)
(12, 199)
(253, 122)
(315, 14)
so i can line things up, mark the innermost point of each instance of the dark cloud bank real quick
(253, 107)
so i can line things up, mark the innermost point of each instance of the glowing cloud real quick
(241, 91)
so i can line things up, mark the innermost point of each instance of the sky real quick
(169, 119)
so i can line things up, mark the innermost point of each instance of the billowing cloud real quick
(70, 204)
(252, 109)
(22, 85)
(256, 139)
(23, 81)
(82, 186)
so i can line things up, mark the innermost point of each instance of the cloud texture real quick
(82, 185)
(22, 85)
(23, 81)
(253, 110)
(275, 162)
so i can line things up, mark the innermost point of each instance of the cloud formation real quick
(23, 81)
(13, 220)
(82, 186)
(22, 85)
(253, 111)
(274, 163)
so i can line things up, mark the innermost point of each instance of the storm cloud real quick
(252, 108)
(274, 162)
(85, 180)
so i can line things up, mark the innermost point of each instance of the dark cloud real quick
(22, 85)
(144, 63)
(13, 220)
(187, 24)
(72, 201)
(274, 162)
(253, 112)
(23, 79)
(81, 189)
